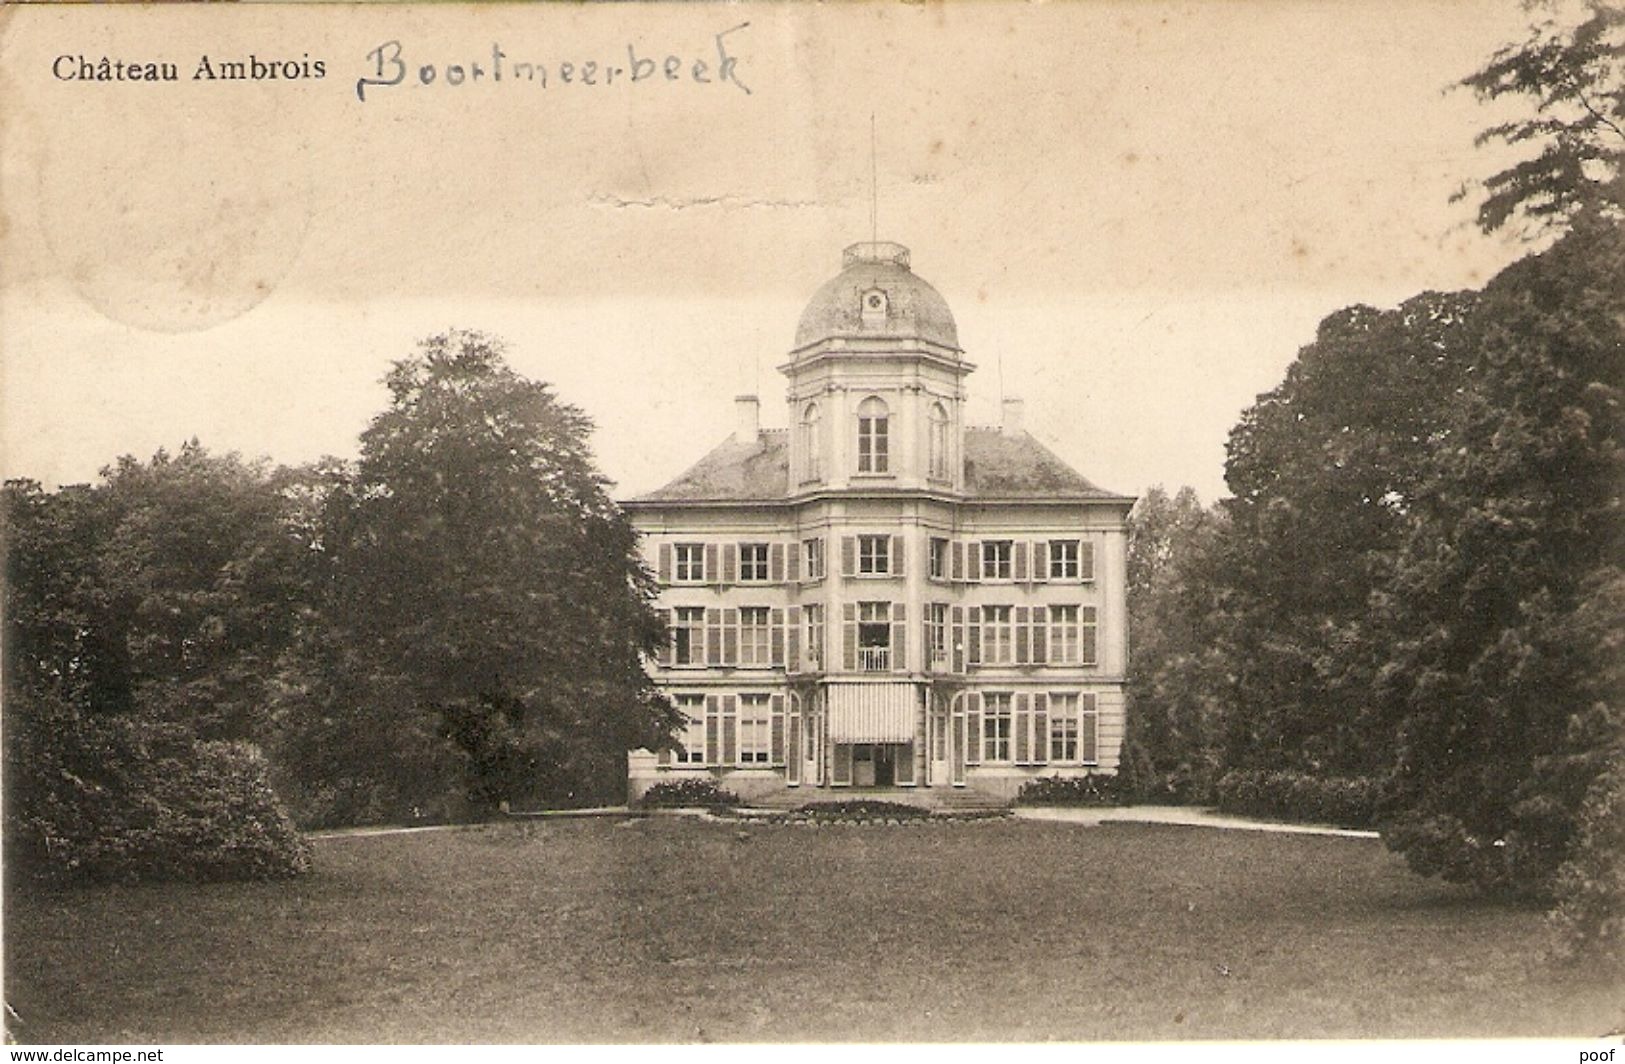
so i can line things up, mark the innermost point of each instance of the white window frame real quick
(755, 729)
(998, 633)
(755, 637)
(691, 750)
(1064, 634)
(688, 563)
(936, 632)
(812, 447)
(873, 615)
(1064, 557)
(938, 552)
(813, 618)
(874, 432)
(874, 555)
(938, 442)
(753, 563)
(998, 559)
(813, 557)
(691, 620)
(1064, 728)
(998, 743)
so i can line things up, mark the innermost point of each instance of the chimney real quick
(1012, 416)
(747, 418)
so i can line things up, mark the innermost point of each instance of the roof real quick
(913, 309)
(998, 465)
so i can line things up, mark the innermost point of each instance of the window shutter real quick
(899, 638)
(730, 636)
(792, 562)
(713, 567)
(956, 651)
(898, 566)
(973, 728)
(849, 637)
(973, 560)
(957, 569)
(776, 640)
(792, 753)
(1040, 560)
(1086, 635)
(792, 640)
(713, 730)
(664, 553)
(1088, 724)
(775, 563)
(713, 636)
(1021, 723)
(1040, 729)
(843, 764)
(849, 555)
(1040, 647)
(1023, 622)
(730, 563)
(973, 636)
(730, 730)
(1020, 551)
(776, 749)
(1086, 562)
(663, 654)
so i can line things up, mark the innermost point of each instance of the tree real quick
(1575, 77)
(481, 574)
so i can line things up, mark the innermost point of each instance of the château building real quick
(882, 596)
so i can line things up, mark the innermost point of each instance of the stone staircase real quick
(936, 799)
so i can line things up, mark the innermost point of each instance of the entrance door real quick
(863, 765)
(886, 765)
(938, 740)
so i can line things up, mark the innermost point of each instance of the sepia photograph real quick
(900, 524)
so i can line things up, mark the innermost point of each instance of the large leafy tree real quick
(479, 574)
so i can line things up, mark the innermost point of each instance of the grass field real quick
(668, 930)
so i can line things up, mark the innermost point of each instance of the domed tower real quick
(876, 381)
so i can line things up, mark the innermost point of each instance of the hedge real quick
(1284, 795)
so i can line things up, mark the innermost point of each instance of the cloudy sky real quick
(1138, 212)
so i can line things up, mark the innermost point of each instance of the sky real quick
(1137, 212)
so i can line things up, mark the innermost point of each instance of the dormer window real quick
(873, 448)
(874, 306)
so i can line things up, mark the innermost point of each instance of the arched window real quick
(939, 442)
(812, 443)
(873, 449)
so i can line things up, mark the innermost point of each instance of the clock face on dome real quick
(874, 305)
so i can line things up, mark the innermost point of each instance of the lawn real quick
(669, 930)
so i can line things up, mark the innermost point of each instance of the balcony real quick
(874, 659)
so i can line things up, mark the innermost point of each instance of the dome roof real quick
(876, 295)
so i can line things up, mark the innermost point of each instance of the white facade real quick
(879, 596)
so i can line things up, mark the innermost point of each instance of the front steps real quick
(943, 799)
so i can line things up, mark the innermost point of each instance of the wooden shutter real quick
(905, 765)
(849, 637)
(1020, 551)
(956, 739)
(957, 567)
(973, 727)
(663, 654)
(775, 563)
(1041, 729)
(973, 561)
(730, 730)
(1086, 635)
(1086, 562)
(730, 637)
(898, 565)
(792, 639)
(664, 553)
(792, 747)
(973, 636)
(1023, 623)
(899, 638)
(956, 651)
(713, 730)
(775, 754)
(1040, 560)
(730, 563)
(792, 562)
(849, 555)
(841, 773)
(1088, 726)
(713, 636)
(1021, 723)
(713, 563)
(1040, 632)
(776, 639)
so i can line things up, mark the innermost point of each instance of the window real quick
(814, 620)
(688, 635)
(874, 636)
(812, 443)
(1063, 727)
(755, 730)
(939, 442)
(752, 562)
(996, 727)
(874, 555)
(755, 636)
(873, 454)
(936, 632)
(813, 552)
(1063, 635)
(690, 563)
(939, 558)
(998, 635)
(692, 738)
(996, 559)
(1063, 559)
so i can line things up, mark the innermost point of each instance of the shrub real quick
(688, 793)
(1088, 789)
(861, 809)
(1344, 801)
(1590, 886)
